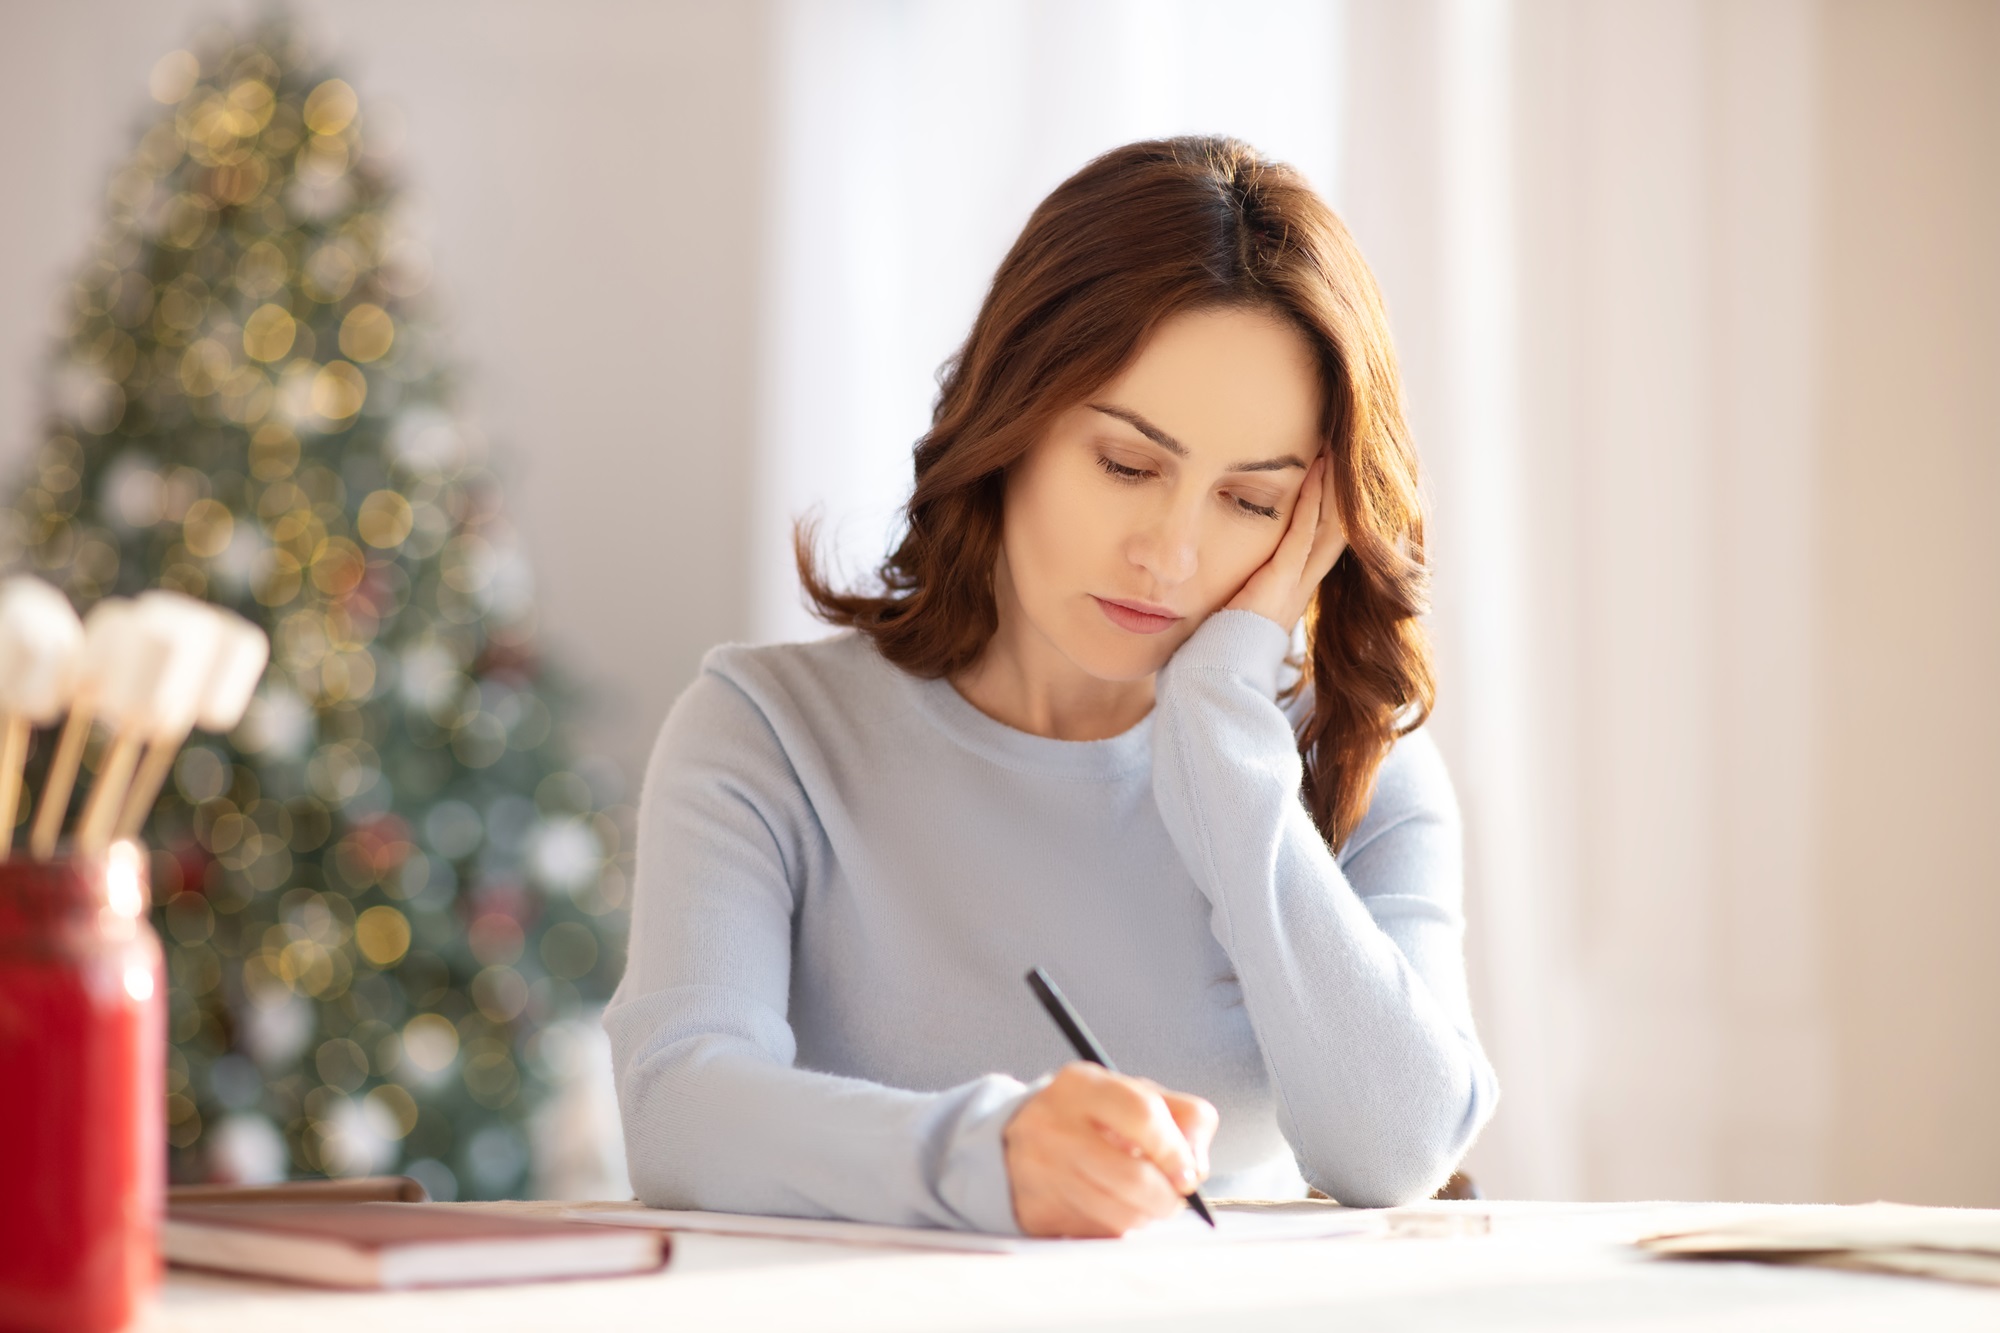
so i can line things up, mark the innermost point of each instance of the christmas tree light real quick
(383, 892)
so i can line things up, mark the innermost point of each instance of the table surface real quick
(1536, 1267)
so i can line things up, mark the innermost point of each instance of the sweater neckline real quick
(1104, 760)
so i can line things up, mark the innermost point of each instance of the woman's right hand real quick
(1096, 1153)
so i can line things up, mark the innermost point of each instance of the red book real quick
(392, 1245)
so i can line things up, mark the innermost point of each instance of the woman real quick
(1063, 732)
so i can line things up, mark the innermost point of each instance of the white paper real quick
(1232, 1225)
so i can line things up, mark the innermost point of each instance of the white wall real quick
(1908, 641)
(1697, 301)
(591, 180)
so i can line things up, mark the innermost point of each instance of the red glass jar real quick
(83, 1046)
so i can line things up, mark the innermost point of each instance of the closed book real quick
(397, 1245)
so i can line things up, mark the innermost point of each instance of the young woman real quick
(1064, 731)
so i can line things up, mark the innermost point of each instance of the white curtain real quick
(1592, 223)
(1595, 227)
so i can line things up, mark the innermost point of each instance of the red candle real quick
(82, 1058)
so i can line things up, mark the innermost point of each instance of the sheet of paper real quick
(1848, 1227)
(1232, 1225)
(1960, 1244)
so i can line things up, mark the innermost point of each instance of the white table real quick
(1538, 1267)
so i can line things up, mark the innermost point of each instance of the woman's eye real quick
(1120, 471)
(1261, 511)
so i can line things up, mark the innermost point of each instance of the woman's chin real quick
(1113, 654)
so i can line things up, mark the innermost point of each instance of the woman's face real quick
(1145, 508)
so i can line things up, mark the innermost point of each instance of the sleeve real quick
(1353, 974)
(715, 1114)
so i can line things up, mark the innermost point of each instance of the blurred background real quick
(1699, 310)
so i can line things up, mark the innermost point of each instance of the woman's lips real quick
(1137, 617)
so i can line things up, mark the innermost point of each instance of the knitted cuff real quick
(1239, 643)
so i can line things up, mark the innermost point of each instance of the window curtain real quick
(1595, 226)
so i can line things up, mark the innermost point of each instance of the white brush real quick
(163, 656)
(238, 653)
(41, 640)
(104, 636)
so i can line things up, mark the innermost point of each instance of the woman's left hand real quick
(1281, 590)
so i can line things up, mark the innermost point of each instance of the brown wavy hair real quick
(1141, 234)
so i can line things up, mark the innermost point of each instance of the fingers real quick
(1096, 1202)
(1296, 546)
(1073, 1181)
(1133, 1111)
(1329, 537)
(1197, 1120)
(1096, 1153)
(1052, 1200)
(1118, 1169)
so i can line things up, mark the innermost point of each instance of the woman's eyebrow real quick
(1144, 427)
(1179, 450)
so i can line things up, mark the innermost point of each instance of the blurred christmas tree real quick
(386, 891)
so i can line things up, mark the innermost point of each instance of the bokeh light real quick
(379, 888)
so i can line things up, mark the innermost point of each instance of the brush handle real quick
(14, 731)
(152, 776)
(107, 794)
(61, 781)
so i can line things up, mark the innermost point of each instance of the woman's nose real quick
(1170, 548)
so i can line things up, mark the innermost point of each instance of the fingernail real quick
(1185, 1179)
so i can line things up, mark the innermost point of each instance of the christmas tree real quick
(384, 893)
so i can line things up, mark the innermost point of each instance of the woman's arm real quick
(715, 1114)
(1353, 972)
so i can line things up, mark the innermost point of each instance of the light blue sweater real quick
(844, 871)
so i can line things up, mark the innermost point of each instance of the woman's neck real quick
(1024, 681)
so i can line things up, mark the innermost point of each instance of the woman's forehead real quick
(1222, 386)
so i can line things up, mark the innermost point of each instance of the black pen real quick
(1088, 1049)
